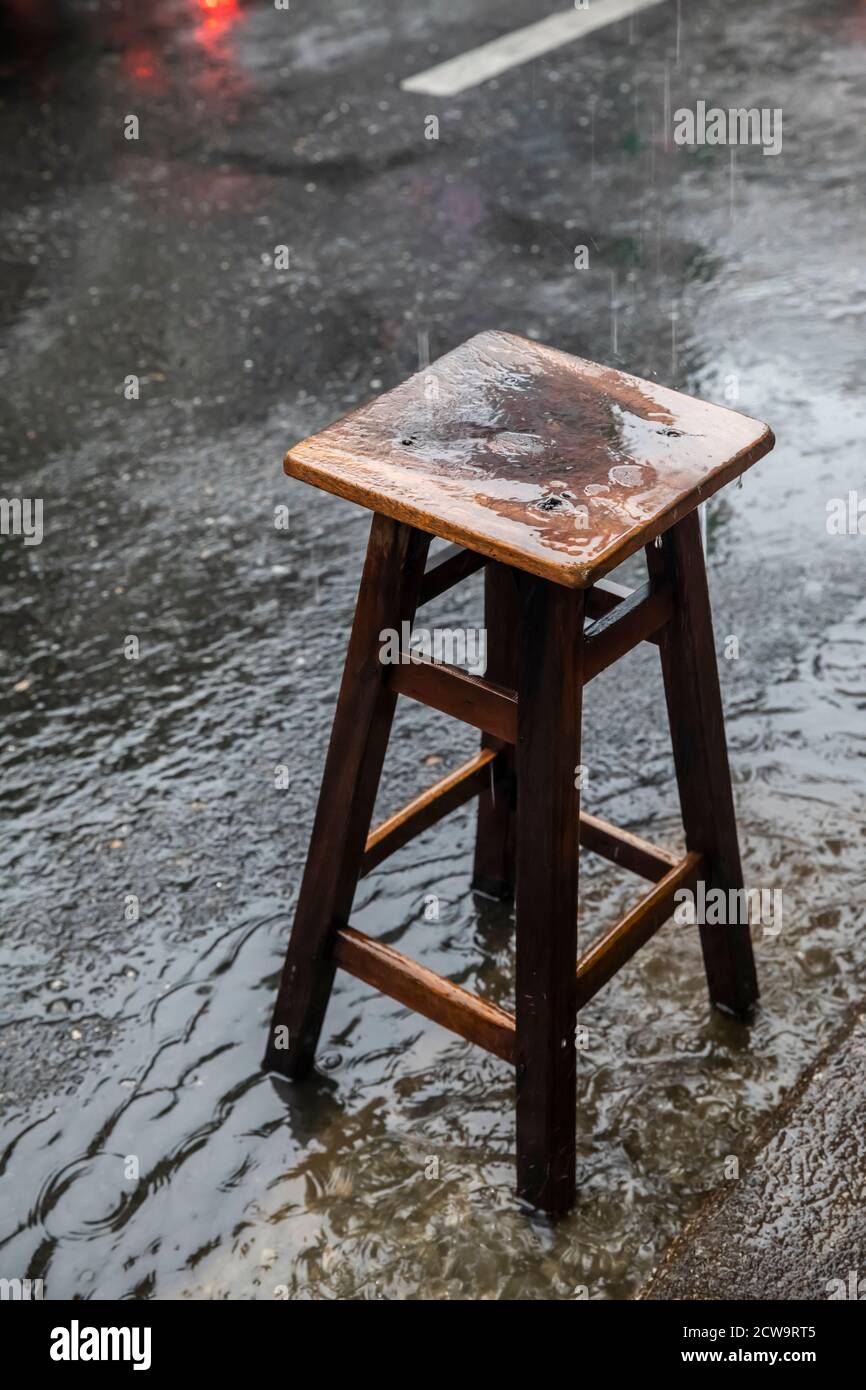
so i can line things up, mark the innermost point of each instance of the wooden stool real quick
(548, 471)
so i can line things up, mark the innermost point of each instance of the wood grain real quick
(426, 992)
(638, 617)
(468, 698)
(430, 807)
(605, 596)
(393, 571)
(493, 870)
(542, 460)
(694, 701)
(616, 946)
(548, 806)
(447, 568)
(624, 849)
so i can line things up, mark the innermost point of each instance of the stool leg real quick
(493, 873)
(697, 724)
(548, 820)
(388, 595)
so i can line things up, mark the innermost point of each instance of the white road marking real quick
(480, 64)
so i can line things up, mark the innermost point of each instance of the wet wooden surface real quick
(531, 456)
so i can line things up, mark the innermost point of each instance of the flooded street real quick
(157, 359)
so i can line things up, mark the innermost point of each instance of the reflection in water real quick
(147, 44)
(217, 18)
(140, 62)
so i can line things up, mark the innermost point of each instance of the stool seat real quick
(533, 457)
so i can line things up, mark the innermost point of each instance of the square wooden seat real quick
(533, 457)
(546, 471)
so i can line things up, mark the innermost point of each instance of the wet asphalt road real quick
(154, 778)
(744, 1243)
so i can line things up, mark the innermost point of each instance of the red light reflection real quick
(217, 17)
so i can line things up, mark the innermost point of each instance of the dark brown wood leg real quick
(548, 811)
(388, 595)
(697, 724)
(493, 873)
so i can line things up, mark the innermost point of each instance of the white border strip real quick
(480, 64)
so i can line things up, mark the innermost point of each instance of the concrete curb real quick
(793, 1226)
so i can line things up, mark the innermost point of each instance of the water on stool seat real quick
(531, 456)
